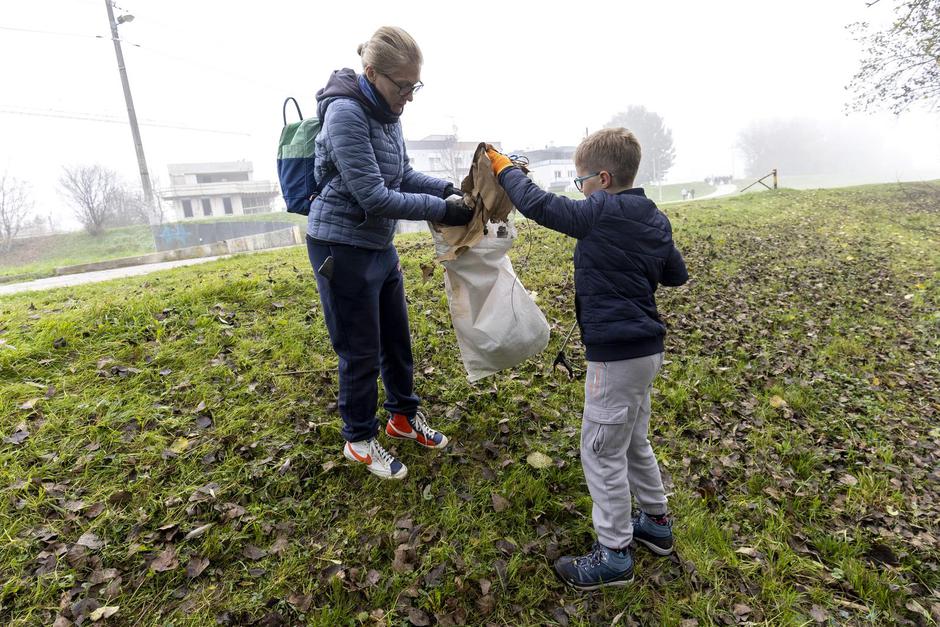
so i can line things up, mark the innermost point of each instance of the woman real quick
(360, 153)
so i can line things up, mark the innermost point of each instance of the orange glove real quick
(499, 161)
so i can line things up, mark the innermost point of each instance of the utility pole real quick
(132, 116)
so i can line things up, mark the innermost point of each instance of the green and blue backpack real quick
(295, 161)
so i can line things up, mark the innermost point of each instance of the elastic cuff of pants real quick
(619, 545)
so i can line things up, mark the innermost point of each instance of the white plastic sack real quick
(497, 323)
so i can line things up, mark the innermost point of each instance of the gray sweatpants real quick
(615, 450)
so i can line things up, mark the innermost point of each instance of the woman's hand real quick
(456, 212)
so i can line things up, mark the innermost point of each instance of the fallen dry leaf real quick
(747, 550)
(417, 617)
(499, 503)
(777, 401)
(90, 540)
(17, 437)
(254, 553)
(848, 480)
(538, 460)
(195, 566)
(198, 531)
(105, 611)
(165, 561)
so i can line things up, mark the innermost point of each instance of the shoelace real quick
(593, 560)
(379, 450)
(422, 427)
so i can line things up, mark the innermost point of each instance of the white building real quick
(552, 167)
(199, 190)
(442, 156)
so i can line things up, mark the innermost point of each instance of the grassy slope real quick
(37, 257)
(795, 421)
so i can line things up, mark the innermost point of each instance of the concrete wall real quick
(177, 235)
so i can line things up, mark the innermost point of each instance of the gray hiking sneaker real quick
(655, 536)
(600, 568)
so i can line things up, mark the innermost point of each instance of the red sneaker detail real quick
(398, 426)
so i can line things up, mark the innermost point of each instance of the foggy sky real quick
(524, 74)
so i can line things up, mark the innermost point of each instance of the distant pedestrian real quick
(685, 194)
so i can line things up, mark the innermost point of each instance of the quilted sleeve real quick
(355, 159)
(559, 213)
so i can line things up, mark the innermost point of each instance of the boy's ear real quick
(606, 179)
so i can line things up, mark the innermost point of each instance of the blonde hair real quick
(615, 150)
(389, 49)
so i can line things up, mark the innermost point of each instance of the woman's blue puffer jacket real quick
(360, 150)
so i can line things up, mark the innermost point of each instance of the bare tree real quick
(128, 207)
(156, 212)
(794, 145)
(655, 141)
(452, 160)
(14, 207)
(901, 64)
(92, 191)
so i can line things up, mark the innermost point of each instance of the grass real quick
(37, 257)
(795, 422)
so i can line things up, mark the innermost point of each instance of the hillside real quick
(172, 447)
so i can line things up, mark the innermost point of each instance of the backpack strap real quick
(284, 109)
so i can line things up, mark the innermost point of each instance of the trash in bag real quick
(496, 322)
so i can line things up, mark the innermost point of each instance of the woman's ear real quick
(369, 71)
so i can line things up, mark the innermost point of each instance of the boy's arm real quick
(675, 272)
(559, 213)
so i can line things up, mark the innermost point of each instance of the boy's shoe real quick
(599, 568)
(379, 461)
(416, 429)
(653, 535)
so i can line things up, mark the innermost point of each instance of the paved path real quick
(94, 277)
(721, 190)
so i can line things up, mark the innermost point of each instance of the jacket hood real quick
(346, 83)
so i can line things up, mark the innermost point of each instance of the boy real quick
(624, 251)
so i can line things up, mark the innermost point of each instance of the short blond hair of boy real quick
(615, 150)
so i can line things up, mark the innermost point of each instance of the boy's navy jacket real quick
(624, 251)
(361, 151)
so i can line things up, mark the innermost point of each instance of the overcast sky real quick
(525, 74)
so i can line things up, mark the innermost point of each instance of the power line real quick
(47, 32)
(183, 60)
(98, 117)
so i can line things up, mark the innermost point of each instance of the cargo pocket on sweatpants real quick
(593, 437)
(603, 430)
